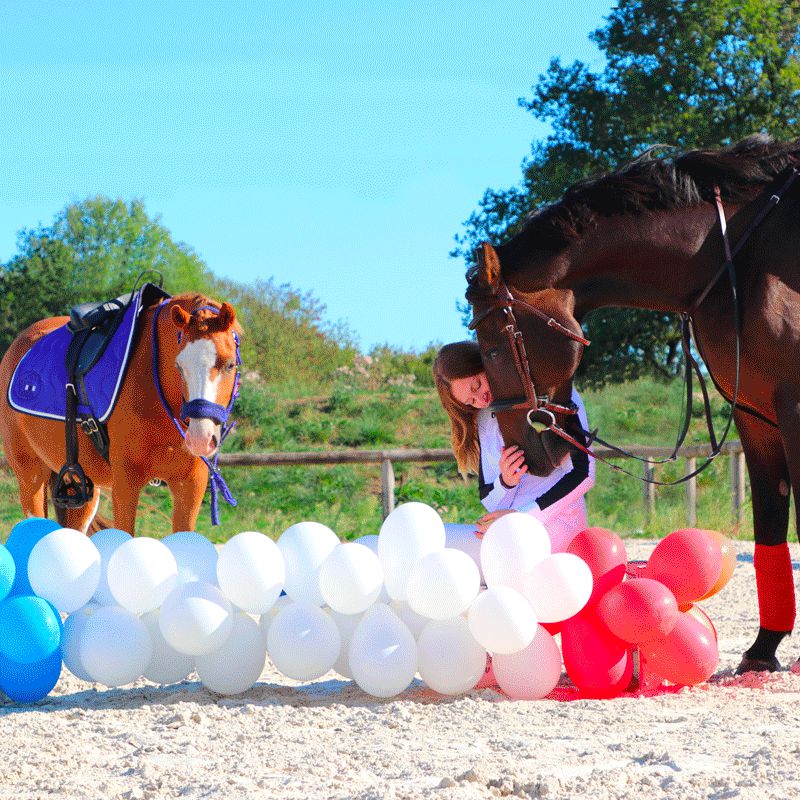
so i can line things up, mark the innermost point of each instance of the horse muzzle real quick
(544, 451)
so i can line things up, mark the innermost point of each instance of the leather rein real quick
(542, 411)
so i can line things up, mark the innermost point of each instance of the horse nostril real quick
(214, 442)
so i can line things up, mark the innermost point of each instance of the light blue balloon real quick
(7, 572)
(27, 683)
(22, 539)
(30, 629)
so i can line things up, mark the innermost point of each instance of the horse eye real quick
(492, 354)
(230, 367)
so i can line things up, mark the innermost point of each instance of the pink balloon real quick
(604, 553)
(687, 655)
(639, 610)
(687, 561)
(532, 673)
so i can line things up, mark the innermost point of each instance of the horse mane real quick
(652, 182)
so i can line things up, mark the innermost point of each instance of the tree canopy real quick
(685, 73)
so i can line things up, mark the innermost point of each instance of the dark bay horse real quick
(196, 366)
(652, 235)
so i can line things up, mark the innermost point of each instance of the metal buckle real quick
(89, 426)
(538, 425)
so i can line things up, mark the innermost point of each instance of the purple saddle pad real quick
(38, 385)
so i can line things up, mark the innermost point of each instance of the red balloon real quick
(597, 662)
(688, 562)
(639, 610)
(687, 655)
(604, 553)
(553, 628)
(701, 616)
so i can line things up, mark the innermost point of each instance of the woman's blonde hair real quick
(454, 361)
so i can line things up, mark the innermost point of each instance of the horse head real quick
(207, 362)
(531, 393)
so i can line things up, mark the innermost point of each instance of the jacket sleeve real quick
(493, 494)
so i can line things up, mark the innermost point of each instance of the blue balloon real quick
(30, 629)
(27, 683)
(22, 539)
(7, 572)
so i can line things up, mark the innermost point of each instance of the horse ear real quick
(226, 317)
(488, 266)
(180, 317)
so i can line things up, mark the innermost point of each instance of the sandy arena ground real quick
(732, 738)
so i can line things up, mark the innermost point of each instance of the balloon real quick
(702, 617)
(266, 619)
(383, 653)
(511, 547)
(728, 550)
(442, 585)
(30, 629)
(558, 587)
(303, 642)
(71, 640)
(196, 618)
(304, 547)
(639, 610)
(346, 624)
(462, 537)
(166, 665)
(27, 683)
(410, 532)
(7, 572)
(502, 620)
(686, 656)
(597, 662)
(251, 572)
(195, 556)
(413, 621)
(351, 578)
(64, 568)
(688, 561)
(532, 673)
(371, 540)
(450, 661)
(238, 664)
(141, 573)
(604, 554)
(22, 539)
(115, 646)
(106, 541)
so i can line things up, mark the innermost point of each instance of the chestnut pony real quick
(196, 365)
(712, 234)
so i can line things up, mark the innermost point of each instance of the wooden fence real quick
(386, 458)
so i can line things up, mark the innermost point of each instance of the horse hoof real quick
(758, 665)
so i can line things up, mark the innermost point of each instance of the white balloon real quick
(559, 587)
(502, 620)
(71, 640)
(410, 532)
(442, 585)
(251, 571)
(351, 578)
(266, 619)
(462, 537)
(166, 665)
(196, 618)
(346, 624)
(303, 642)
(532, 673)
(450, 660)
(371, 540)
(141, 573)
(115, 646)
(511, 547)
(107, 541)
(238, 664)
(64, 569)
(305, 546)
(383, 653)
(195, 556)
(413, 621)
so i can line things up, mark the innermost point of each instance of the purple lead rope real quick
(218, 484)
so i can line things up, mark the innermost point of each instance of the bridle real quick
(541, 412)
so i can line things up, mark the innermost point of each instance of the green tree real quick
(685, 73)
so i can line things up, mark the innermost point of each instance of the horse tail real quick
(100, 523)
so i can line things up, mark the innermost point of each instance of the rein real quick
(200, 409)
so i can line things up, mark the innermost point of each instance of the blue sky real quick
(335, 146)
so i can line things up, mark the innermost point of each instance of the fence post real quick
(648, 473)
(737, 484)
(387, 487)
(691, 493)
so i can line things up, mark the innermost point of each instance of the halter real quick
(202, 409)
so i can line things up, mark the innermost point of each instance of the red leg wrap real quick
(775, 584)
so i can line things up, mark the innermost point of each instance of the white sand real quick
(731, 738)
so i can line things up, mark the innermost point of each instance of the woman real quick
(504, 482)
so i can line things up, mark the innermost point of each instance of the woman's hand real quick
(487, 519)
(512, 465)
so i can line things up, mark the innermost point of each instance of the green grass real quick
(347, 498)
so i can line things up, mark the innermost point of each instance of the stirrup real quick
(73, 488)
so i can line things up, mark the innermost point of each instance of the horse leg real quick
(769, 488)
(32, 475)
(187, 496)
(125, 490)
(78, 519)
